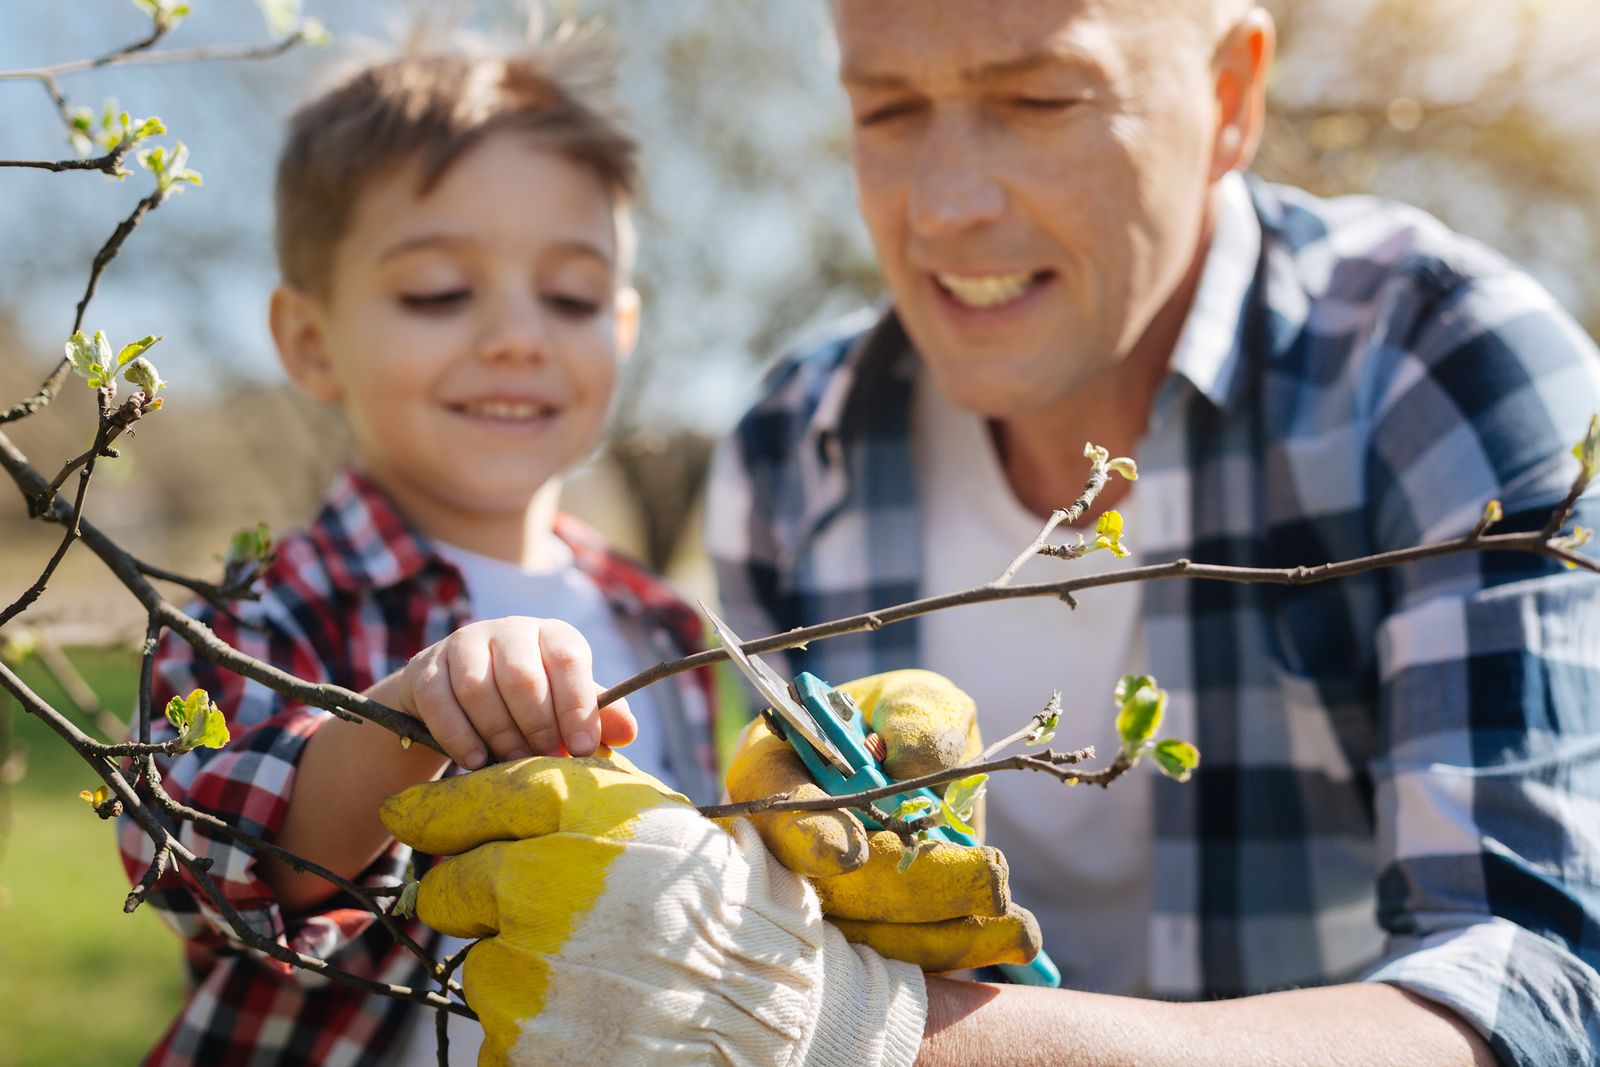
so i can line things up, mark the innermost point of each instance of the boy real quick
(453, 238)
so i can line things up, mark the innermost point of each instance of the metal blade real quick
(774, 689)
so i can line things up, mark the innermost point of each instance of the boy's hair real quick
(431, 108)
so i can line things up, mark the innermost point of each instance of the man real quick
(1396, 802)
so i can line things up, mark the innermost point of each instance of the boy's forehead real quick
(506, 191)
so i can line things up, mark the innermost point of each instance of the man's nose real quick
(517, 330)
(953, 188)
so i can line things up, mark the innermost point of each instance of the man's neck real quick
(1042, 452)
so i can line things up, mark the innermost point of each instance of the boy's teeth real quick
(985, 291)
(503, 409)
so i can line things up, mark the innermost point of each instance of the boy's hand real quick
(513, 688)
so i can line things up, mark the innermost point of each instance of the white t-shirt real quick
(497, 589)
(1080, 856)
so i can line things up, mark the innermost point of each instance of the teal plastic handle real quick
(842, 723)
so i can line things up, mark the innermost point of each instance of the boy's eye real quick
(572, 307)
(443, 300)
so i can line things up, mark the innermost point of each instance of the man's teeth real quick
(506, 410)
(986, 290)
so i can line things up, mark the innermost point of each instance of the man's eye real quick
(1044, 105)
(443, 300)
(572, 307)
(877, 116)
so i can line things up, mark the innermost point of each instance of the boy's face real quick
(472, 336)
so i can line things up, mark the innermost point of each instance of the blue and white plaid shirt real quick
(1400, 775)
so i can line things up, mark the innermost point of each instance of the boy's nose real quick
(518, 331)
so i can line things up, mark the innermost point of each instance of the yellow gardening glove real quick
(952, 907)
(620, 926)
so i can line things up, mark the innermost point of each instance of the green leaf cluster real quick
(955, 810)
(112, 129)
(1588, 450)
(169, 169)
(199, 722)
(249, 550)
(1141, 706)
(93, 359)
(164, 13)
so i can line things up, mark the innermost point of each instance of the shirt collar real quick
(365, 540)
(1210, 349)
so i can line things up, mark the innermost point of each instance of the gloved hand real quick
(952, 908)
(620, 926)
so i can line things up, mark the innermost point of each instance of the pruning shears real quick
(830, 734)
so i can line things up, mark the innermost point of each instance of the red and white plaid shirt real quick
(349, 602)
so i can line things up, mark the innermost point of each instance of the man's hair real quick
(429, 109)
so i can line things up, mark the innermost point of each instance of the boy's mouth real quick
(502, 410)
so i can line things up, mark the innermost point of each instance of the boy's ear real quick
(627, 320)
(297, 331)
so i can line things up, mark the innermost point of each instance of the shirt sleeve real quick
(246, 784)
(1488, 783)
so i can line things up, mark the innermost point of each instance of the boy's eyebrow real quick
(422, 242)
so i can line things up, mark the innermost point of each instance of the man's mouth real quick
(988, 291)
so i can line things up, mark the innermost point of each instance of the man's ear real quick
(627, 315)
(297, 330)
(1243, 60)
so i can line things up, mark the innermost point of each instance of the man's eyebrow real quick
(1060, 55)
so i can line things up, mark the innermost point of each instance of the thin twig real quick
(336, 699)
(1531, 543)
(1041, 718)
(1098, 474)
(1047, 761)
(71, 520)
(199, 867)
(143, 58)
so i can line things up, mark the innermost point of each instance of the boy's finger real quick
(568, 663)
(434, 702)
(473, 682)
(519, 672)
(618, 727)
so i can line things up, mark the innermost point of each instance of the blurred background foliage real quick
(1484, 112)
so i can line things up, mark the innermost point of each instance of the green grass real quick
(81, 982)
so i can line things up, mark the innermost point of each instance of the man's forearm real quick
(1365, 1024)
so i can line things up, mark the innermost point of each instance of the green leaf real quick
(1129, 685)
(911, 855)
(143, 373)
(200, 723)
(150, 127)
(406, 904)
(210, 730)
(1124, 466)
(1045, 729)
(960, 798)
(1141, 716)
(1177, 759)
(283, 16)
(134, 350)
(1588, 449)
(913, 808)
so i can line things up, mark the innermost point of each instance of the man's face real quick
(1033, 174)
(471, 335)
